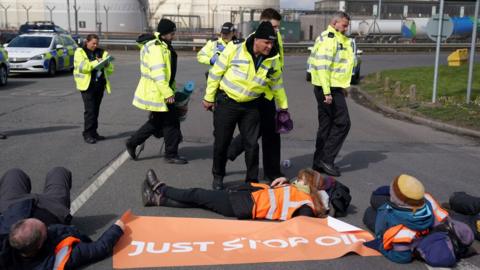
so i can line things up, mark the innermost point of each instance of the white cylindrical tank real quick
(211, 13)
(123, 15)
(370, 26)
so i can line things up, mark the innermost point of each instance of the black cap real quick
(166, 26)
(265, 31)
(227, 28)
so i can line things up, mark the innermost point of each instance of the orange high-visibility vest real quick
(63, 251)
(278, 203)
(439, 213)
(401, 234)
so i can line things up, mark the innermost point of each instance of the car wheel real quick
(52, 68)
(3, 75)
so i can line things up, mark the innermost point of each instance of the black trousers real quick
(215, 200)
(92, 98)
(15, 186)
(228, 113)
(333, 125)
(165, 123)
(270, 141)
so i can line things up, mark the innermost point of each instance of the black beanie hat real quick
(165, 26)
(265, 31)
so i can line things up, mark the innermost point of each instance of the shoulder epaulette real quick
(238, 40)
(331, 35)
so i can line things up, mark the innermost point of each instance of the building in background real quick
(132, 15)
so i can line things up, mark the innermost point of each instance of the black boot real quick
(150, 197)
(3, 136)
(131, 150)
(217, 183)
(152, 180)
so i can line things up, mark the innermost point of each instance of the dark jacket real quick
(83, 253)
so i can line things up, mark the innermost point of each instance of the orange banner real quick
(165, 241)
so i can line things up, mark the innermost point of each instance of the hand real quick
(328, 99)
(120, 224)
(170, 100)
(209, 106)
(220, 47)
(279, 181)
(213, 59)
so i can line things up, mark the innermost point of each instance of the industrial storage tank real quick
(463, 26)
(208, 14)
(380, 27)
(414, 27)
(123, 15)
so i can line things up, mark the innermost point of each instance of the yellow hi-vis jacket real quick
(153, 87)
(209, 50)
(331, 60)
(278, 203)
(83, 67)
(234, 72)
(280, 47)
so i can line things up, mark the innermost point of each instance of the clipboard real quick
(101, 64)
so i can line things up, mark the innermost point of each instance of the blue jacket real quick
(390, 215)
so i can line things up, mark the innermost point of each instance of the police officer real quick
(236, 83)
(270, 138)
(91, 82)
(331, 64)
(156, 93)
(210, 52)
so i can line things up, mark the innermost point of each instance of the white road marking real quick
(95, 185)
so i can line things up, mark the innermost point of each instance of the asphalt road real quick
(43, 118)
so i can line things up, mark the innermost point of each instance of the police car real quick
(357, 62)
(41, 52)
(4, 66)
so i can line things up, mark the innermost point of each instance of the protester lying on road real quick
(466, 208)
(33, 230)
(279, 201)
(32, 245)
(409, 223)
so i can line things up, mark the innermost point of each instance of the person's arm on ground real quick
(87, 253)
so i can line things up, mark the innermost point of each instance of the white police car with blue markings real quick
(41, 52)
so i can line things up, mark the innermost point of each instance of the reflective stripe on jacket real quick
(83, 68)
(439, 213)
(331, 61)
(153, 87)
(234, 72)
(278, 203)
(209, 50)
(63, 251)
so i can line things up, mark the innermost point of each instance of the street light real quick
(27, 10)
(5, 8)
(50, 9)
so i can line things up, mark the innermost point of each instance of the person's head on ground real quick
(311, 182)
(407, 191)
(91, 42)
(227, 32)
(27, 236)
(272, 16)
(264, 39)
(167, 29)
(340, 21)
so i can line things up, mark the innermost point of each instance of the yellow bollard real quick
(458, 57)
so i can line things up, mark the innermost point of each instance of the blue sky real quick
(297, 4)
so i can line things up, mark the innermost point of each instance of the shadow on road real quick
(91, 224)
(360, 160)
(30, 131)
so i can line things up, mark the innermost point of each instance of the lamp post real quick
(28, 11)
(50, 9)
(5, 8)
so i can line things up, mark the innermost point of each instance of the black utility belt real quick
(222, 94)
